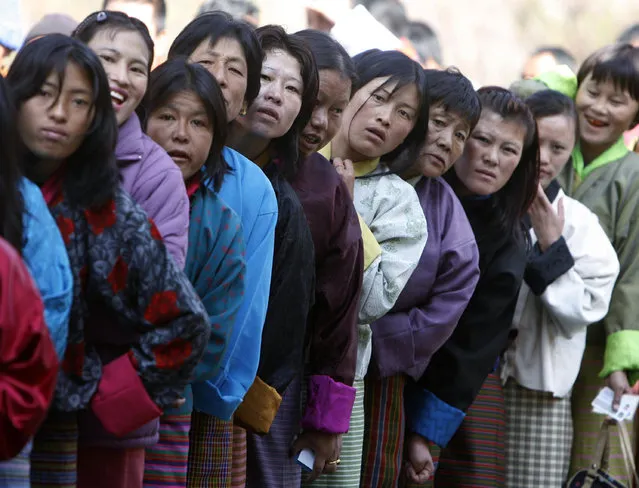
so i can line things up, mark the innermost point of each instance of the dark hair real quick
(238, 9)
(92, 175)
(548, 103)
(11, 201)
(629, 34)
(178, 76)
(618, 63)
(159, 6)
(287, 147)
(518, 193)
(391, 15)
(329, 54)
(425, 41)
(561, 55)
(219, 25)
(115, 22)
(404, 71)
(455, 92)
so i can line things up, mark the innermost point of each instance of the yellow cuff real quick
(257, 412)
(372, 250)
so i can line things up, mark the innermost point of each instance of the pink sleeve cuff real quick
(329, 405)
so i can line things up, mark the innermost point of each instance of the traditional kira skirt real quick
(587, 424)
(166, 462)
(476, 455)
(210, 452)
(538, 437)
(348, 473)
(14, 473)
(384, 431)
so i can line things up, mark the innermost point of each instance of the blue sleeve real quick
(221, 396)
(431, 417)
(46, 257)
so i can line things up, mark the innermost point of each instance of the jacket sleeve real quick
(400, 229)
(27, 356)
(165, 193)
(581, 295)
(622, 344)
(219, 282)
(172, 323)
(415, 335)
(459, 368)
(48, 264)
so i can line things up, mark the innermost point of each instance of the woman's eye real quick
(198, 123)
(337, 111)
(293, 89)
(265, 77)
(80, 102)
(236, 71)
(461, 136)
(439, 123)
(138, 70)
(107, 58)
(405, 114)
(166, 117)
(378, 98)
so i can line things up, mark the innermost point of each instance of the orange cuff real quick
(259, 407)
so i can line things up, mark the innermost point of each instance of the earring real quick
(243, 111)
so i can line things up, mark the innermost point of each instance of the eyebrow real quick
(232, 59)
(170, 106)
(296, 78)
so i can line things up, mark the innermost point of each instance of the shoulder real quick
(249, 179)
(156, 162)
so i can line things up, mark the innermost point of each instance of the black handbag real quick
(596, 476)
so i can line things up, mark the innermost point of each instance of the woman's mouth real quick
(596, 122)
(118, 97)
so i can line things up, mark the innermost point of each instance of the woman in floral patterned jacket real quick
(137, 328)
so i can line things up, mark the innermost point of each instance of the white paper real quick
(602, 404)
(306, 458)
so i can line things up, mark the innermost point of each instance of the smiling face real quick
(605, 113)
(377, 120)
(491, 154)
(182, 127)
(556, 141)
(447, 135)
(278, 104)
(125, 59)
(54, 122)
(225, 60)
(332, 100)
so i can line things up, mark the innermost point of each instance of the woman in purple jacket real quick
(438, 291)
(148, 174)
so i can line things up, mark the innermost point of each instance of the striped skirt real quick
(239, 454)
(269, 463)
(210, 452)
(476, 455)
(14, 473)
(587, 424)
(54, 460)
(384, 432)
(538, 437)
(348, 473)
(166, 462)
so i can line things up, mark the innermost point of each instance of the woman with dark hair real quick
(436, 294)
(26, 224)
(386, 117)
(458, 402)
(567, 286)
(268, 134)
(188, 119)
(136, 323)
(231, 52)
(148, 174)
(337, 240)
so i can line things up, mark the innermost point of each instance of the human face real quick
(54, 121)
(225, 60)
(556, 141)
(274, 110)
(182, 127)
(140, 10)
(332, 99)
(378, 119)
(605, 113)
(125, 59)
(538, 64)
(447, 135)
(491, 154)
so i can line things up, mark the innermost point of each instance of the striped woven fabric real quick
(238, 464)
(14, 473)
(269, 464)
(477, 453)
(587, 424)
(384, 432)
(166, 462)
(54, 459)
(348, 473)
(210, 452)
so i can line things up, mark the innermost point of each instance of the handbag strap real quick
(602, 448)
(628, 456)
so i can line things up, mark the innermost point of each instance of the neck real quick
(340, 148)
(246, 143)
(591, 152)
(42, 170)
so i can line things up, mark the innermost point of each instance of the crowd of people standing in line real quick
(263, 245)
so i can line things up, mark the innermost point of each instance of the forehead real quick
(186, 101)
(556, 125)
(281, 62)
(128, 43)
(144, 11)
(506, 130)
(224, 46)
(75, 79)
(332, 82)
(438, 108)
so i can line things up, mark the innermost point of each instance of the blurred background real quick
(489, 40)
